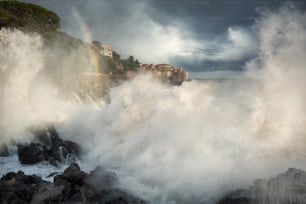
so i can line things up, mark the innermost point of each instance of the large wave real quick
(184, 144)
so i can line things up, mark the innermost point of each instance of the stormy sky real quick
(201, 35)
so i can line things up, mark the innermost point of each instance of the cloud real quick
(193, 34)
(237, 44)
(132, 31)
(227, 51)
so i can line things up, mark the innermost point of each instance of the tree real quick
(96, 43)
(131, 59)
(116, 57)
(137, 62)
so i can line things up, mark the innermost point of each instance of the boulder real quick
(101, 178)
(19, 188)
(79, 186)
(45, 135)
(72, 179)
(240, 196)
(69, 187)
(72, 174)
(117, 196)
(48, 146)
(61, 149)
(4, 152)
(286, 188)
(51, 194)
(31, 154)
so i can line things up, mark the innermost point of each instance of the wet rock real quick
(69, 187)
(60, 150)
(118, 197)
(46, 135)
(19, 188)
(286, 188)
(241, 196)
(52, 194)
(101, 178)
(53, 174)
(48, 146)
(72, 179)
(72, 174)
(31, 154)
(4, 152)
(79, 186)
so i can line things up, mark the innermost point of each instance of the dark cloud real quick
(198, 34)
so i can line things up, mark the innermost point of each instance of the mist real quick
(36, 81)
(186, 144)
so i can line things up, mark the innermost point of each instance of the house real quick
(106, 50)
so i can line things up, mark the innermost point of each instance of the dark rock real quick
(53, 133)
(48, 146)
(4, 152)
(72, 147)
(53, 174)
(241, 196)
(80, 186)
(118, 197)
(60, 150)
(100, 179)
(286, 188)
(72, 174)
(32, 153)
(19, 188)
(89, 194)
(52, 194)
(45, 135)
(72, 179)
(68, 188)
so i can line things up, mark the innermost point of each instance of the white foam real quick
(187, 144)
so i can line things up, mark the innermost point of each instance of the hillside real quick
(27, 17)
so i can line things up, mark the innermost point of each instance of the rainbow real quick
(87, 36)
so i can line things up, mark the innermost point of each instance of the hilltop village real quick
(113, 70)
(166, 72)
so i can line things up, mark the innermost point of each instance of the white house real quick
(106, 50)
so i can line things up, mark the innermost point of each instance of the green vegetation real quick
(33, 18)
(108, 65)
(130, 64)
(115, 65)
(125, 65)
(27, 17)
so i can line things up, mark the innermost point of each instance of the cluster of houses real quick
(166, 72)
